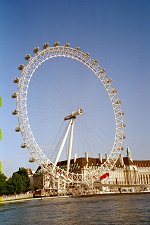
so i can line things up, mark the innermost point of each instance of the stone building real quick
(130, 172)
(126, 172)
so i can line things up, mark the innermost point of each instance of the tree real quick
(18, 183)
(2, 184)
(10, 189)
(25, 179)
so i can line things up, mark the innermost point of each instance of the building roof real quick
(127, 161)
(83, 162)
(142, 163)
(96, 162)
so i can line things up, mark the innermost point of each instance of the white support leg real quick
(62, 146)
(70, 146)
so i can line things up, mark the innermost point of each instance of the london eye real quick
(72, 116)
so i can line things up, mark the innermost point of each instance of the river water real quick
(100, 210)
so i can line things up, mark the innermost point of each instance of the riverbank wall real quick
(6, 198)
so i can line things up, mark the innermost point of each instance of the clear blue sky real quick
(115, 32)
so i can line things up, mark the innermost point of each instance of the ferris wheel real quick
(29, 141)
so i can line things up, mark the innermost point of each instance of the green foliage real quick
(10, 187)
(18, 183)
(22, 180)
(2, 184)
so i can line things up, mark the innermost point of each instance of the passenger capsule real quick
(123, 125)
(102, 70)
(121, 113)
(16, 80)
(17, 129)
(122, 137)
(27, 57)
(14, 112)
(77, 48)
(32, 159)
(118, 102)
(56, 44)
(85, 55)
(67, 45)
(23, 145)
(94, 62)
(36, 49)
(114, 90)
(20, 67)
(108, 81)
(14, 95)
(46, 45)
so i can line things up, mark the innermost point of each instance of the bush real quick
(18, 183)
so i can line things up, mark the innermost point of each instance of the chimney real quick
(100, 158)
(106, 156)
(86, 156)
(121, 160)
(75, 157)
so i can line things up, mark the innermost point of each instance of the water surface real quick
(100, 210)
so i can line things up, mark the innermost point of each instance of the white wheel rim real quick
(24, 81)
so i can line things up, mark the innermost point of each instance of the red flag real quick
(105, 175)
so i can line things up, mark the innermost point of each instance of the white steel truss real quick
(21, 110)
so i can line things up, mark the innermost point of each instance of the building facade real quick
(127, 173)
